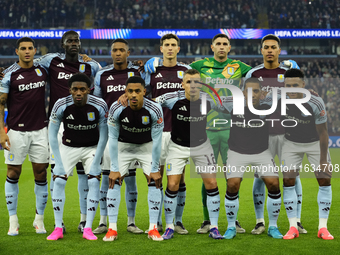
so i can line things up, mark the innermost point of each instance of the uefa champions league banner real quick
(181, 33)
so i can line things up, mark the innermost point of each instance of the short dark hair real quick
(120, 40)
(190, 72)
(25, 39)
(71, 32)
(81, 77)
(294, 73)
(169, 36)
(135, 79)
(220, 36)
(271, 37)
(251, 80)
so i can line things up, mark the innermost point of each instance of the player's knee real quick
(40, 171)
(173, 185)
(210, 184)
(324, 181)
(233, 185)
(13, 171)
(288, 182)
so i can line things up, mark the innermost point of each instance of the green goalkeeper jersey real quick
(213, 72)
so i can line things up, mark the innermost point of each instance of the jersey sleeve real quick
(196, 65)
(45, 61)
(168, 100)
(157, 126)
(97, 89)
(103, 113)
(319, 110)
(5, 83)
(57, 112)
(244, 68)
(114, 126)
(147, 78)
(95, 67)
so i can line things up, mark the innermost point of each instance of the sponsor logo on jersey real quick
(38, 71)
(110, 78)
(160, 120)
(169, 85)
(20, 77)
(230, 70)
(136, 130)
(32, 85)
(145, 120)
(183, 108)
(62, 75)
(130, 74)
(70, 117)
(82, 68)
(90, 116)
(61, 65)
(126, 120)
(180, 74)
(190, 118)
(280, 78)
(11, 157)
(81, 127)
(168, 167)
(119, 87)
(159, 76)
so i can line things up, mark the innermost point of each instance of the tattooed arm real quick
(4, 140)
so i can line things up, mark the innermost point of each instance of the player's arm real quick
(103, 136)
(156, 135)
(53, 129)
(4, 140)
(168, 100)
(113, 127)
(97, 89)
(323, 136)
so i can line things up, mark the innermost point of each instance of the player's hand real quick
(139, 63)
(324, 171)
(4, 140)
(123, 100)
(157, 178)
(313, 92)
(291, 64)
(113, 177)
(151, 65)
(85, 57)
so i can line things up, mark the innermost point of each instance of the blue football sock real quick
(170, 202)
(154, 202)
(92, 200)
(298, 190)
(11, 192)
(41, 195)
(324, 201)
(131, 193)
(290, 201)
(231, 208)
(181, 197)
(259, 192)
(213, 204)
(273, 207)
(58, 200)
(83, 189)
(113, 201)
(103, 192)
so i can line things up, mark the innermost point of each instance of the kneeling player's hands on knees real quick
(123, 100)
(157, 178)
(113, 177)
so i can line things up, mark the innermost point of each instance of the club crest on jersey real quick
(230, 70)
(38, 71)
(82, 68)
(90, 116)
(10, 157)
(168, 167)
(180, 74)
(280, 78)
(145, 120)
(130, 74)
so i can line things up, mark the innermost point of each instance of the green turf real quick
(27, 242)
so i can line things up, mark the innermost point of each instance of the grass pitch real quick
(28, 242)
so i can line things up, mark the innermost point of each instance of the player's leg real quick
(14, 160)
(39, 156)
(324, 198)
(70, 157)
(106, 162)
(181, 198)
(131, 195)
(290, 165)
(83, 189)
(215, 143)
